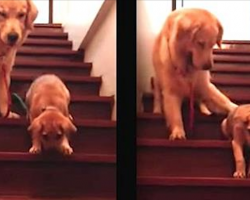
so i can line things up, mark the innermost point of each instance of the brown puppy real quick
(16, 22)
(50, 122)
(237, 128)
(182, 57)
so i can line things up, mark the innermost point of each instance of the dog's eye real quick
(20, 15)
(3, 14)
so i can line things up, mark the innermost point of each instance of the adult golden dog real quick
(182, 57)
(50, 122)
(16, 22)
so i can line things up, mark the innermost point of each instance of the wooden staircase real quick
(202, 166)
(90, 173)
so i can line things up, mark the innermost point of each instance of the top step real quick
(56, 25)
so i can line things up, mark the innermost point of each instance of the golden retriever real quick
(50, 122)
(16, 22)
(182, 57)
(237, 128)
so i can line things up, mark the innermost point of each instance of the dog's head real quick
(16, 18)
(191, 41)
(51, 127)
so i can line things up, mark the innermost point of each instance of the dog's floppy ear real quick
(68, 126)
(35, 127)
(220, 34)
(31, 14)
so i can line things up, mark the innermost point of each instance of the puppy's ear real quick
(68, 127)
(31, 14)
(220, 34)
(35, 127)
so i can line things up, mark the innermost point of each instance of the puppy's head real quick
(51, 127)
(193, 38)
(16, 18)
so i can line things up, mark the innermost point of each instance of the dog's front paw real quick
(66, 150)
(35, 150)
(204, 109)
(177, 135)
(239, 174)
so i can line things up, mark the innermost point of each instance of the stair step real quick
(232, 58)
(47, 34)
(60, 68)
(48, 29)
(88, 107)
(233, 93)
(162, 188)
(49, 25)
(231, 68)
(49, 53)
(206, 127)
(77, 85)
(231, 52)
(207, 158)
(92, 137)
(51, 198)
(236, 42)
(76, 175)
(48, 43)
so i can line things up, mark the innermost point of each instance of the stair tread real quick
(236, 41)
(232, 68)
(233, 81)
(231, 59)
(49, 25)
(45, 50)
(102, 123)
(36, 32)
(184, 143)
(231, 51)
(69, 78)
(47, 41)
(75, 157)
(52, 63)
(193, 181)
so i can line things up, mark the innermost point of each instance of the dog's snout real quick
(12, 38)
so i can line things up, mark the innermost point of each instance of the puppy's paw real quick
(13, 115)
(66, 150)
(35, 150)
(177, 135)
(239, 174)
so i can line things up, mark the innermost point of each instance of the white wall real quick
(234, 16)
(102, 52)
(43, 8)
(76, 17)
(150, 18)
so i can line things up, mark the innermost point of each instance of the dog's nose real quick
(12, 38)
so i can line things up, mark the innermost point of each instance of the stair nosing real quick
(75, 157)
(223, 144)
(193, 181)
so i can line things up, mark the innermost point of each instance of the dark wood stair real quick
(202, 166)
(90, 173)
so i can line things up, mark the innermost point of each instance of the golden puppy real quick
(237, 128)
(16, 22)
(182, 57)
(50, 122)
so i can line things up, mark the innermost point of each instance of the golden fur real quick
(182, 57)
(16, 22)
(50, 122)
(237, 128)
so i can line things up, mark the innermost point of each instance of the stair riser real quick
(157, 129)
(64, 46)
(185, 162)
(54, 70)
(61, 179)
(22, 86)
(53, 30)
(86, 140)
(38, 35)
(185, 192)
